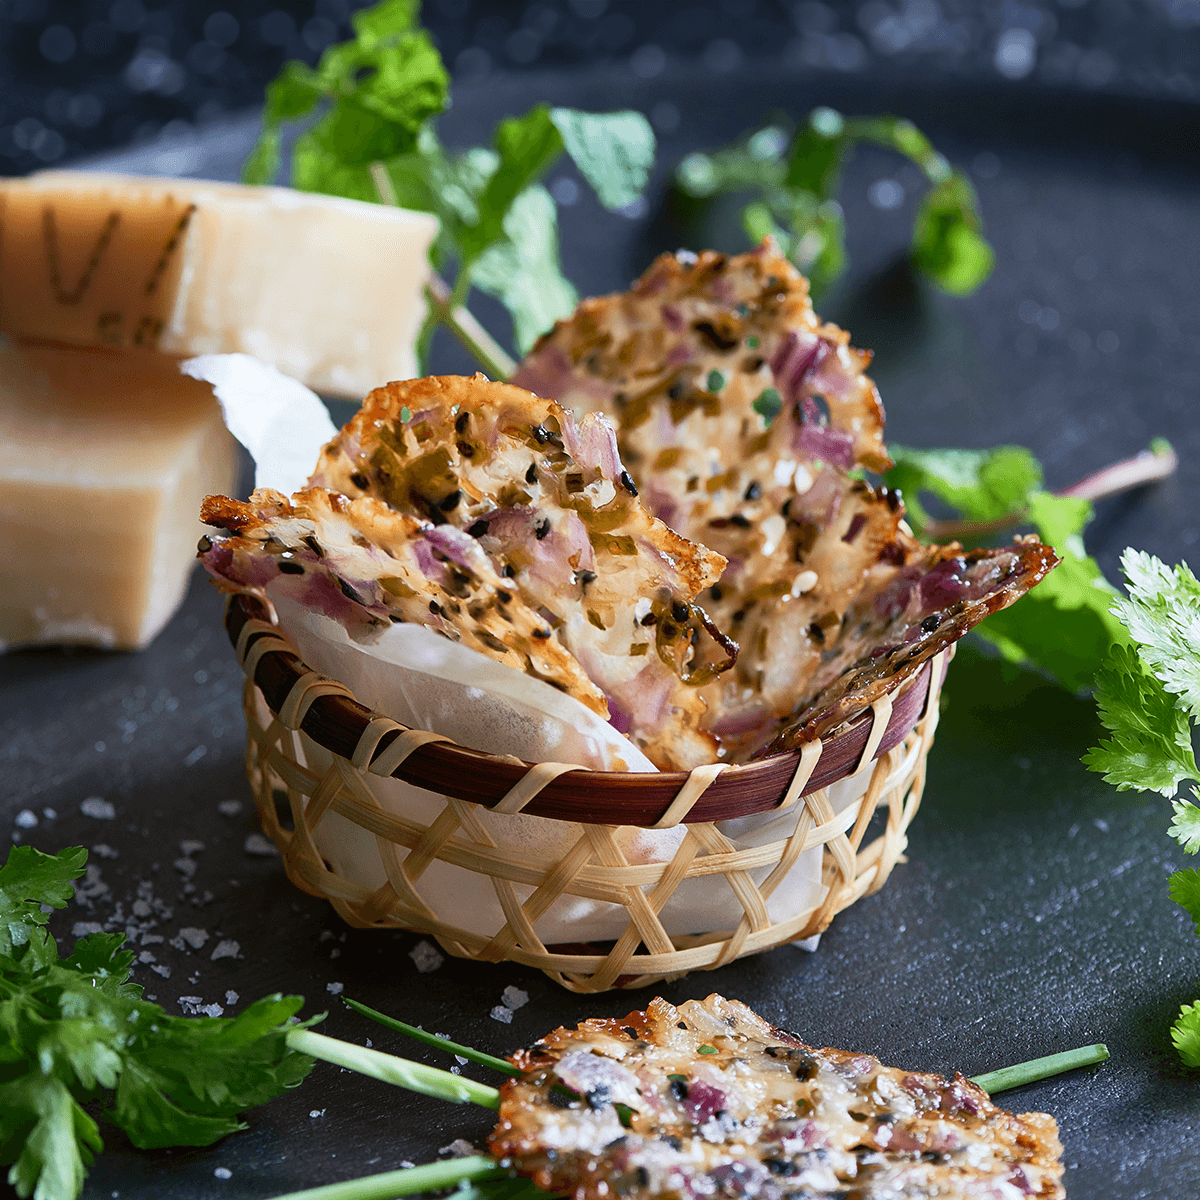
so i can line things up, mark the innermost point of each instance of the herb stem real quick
(407, 1181)
(417, 1077)
(461, 322)
(1040, 1068)
(1148, 466)
(432, 1039)
(446, 306)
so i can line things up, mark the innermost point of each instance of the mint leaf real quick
(613, 151)
(1162, 614)
(522, 270)
(1185, 828)
(1185, 1034)
(1151, 744)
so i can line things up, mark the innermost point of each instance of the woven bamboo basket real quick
(290, 707)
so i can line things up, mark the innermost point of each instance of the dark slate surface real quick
(1032, 914)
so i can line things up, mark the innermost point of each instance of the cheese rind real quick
(104, 459)
(328, 290)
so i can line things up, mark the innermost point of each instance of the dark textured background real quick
(1032, 914)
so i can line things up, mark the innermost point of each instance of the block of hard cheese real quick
(330, 291)
(105, 456)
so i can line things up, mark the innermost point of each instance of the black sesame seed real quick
(204, 545)
(466, 449)
(715, 592)
(740, 521)
(287, 567)
(360, 481)
(508, 571)
(672, 1141)
(478, 529)
(541, 634)
(461, 424)
(675, 391)
(628, 1031)
(585, 577)
(503, 596)
(450, 502)
(649, 619)
(754, 491)
(315, 546)
(680, 611)
(435, 608)
(540, 434)
(787, 506)
(643, 1176)
(349, 592)
(679, 1089)
(542, 528)
(531, 474)
(628, 484)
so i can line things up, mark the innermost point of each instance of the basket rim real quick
(337, 723)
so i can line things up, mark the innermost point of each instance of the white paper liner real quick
(423, 680)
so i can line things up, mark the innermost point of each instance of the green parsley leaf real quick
(1185, 828)
(382, 21)
(715, 381)
(1162, 614)
(1151, 744)
(1185, 1034)
(74, 1026)
(1184, 887)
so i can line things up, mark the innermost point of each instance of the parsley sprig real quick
(372, 103)
(1148, 695)
(791, 176)
(75, 1030)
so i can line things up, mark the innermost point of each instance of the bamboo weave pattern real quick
(594, 867)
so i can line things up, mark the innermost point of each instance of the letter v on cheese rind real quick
(328, 290)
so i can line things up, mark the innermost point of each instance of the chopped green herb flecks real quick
(768, 404)
(715, 381)
(752, 342)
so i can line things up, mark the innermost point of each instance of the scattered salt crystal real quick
(194, 937)
(49, 814)
(190, 848)
(212, 1010)
(317, 1112)
(500, 1013)
(327, 935)
(514, 997)
(459, 1148)
(146, 957)
(98, 808)
(159, 969)
(226, 948)
(229, 808)
(406, 1163)
(152, 939)
(370, 1046)
(462, 1062)
(26, 819)
(231, 997)
(102, 850)
(223, 1173)
(185, 866)
(83, 928)
(194, 756)
(258, 845)
(190, 1004)
(425, 957)
(335, 989)
(141, 908)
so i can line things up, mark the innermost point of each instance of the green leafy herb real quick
(1064, 626)
(75, 1029)
(1149, 698)
(792, 177)
(373, 101)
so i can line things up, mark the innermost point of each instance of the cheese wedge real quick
(330, 291)
(105, 456)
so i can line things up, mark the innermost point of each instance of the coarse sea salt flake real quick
(502, 1014)
(514, 997)
(258, 845)
(226, 948)
(223, 1173)
(98, 808)
(194, 937)
(425, 957)
(335, 989)
(26, 819)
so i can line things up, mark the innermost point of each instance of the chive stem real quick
(407, 1181)
(1040, 1068)
(417, 1077)
(432, 1039)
